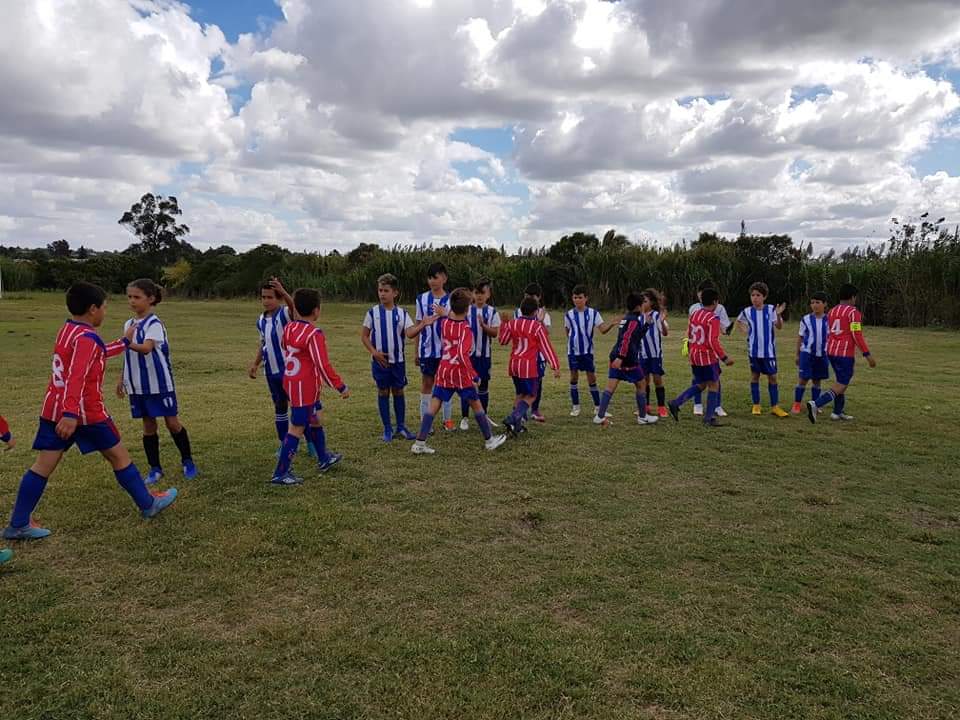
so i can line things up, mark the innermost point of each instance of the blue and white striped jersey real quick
(761, 325)
(580, 327)
(482, 343)
(148, 374)
(652, 345)
(271, 336)
(387, 330)
(431, 346)
(813, 331)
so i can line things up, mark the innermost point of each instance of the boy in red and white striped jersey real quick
(844, 338)
(456, 374)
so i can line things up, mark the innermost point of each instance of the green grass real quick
(771, 569)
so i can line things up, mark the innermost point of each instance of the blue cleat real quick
(190, 471)
(5, 555)
(332, 459)
(161, 501)
(153, 476)
(286, 479)
(404, 433)
(387, 436)
(27, 532)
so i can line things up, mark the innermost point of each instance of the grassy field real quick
(770, 569)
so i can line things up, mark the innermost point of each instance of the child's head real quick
(703, 286)
(269, 298)
(533, 290)
(529, 306)
(88, 301)
(460, 300)
(758, 294)
(142, 294)
(818, 303)
(709, 298)
(634, 302)
(436, 276)
(482, 290)
(388, 288)
(307, 303)
(848, 293)
(652, 296)
(580, 296)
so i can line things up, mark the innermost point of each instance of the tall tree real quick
(153, 221)
(59, 248)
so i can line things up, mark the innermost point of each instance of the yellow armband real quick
(685, 347)
(856, 327)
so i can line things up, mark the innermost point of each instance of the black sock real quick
(661, 395)
(151, 446)
(182, 441)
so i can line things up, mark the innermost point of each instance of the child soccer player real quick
(385, 330)
(760, 322)
(533, 290)
(484, 323)
(580, 322)
(277, 312)
(306, 369)
(651, 350)
(428, 354)
(73, 412)
(811, 356)
(845, 325)
(147, 379)
(706, 353)
(530, 342)
(726, 326)
(6, 437)
(456, 374)
(625, 360)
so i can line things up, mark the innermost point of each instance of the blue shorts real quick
(763, 366)
(842, 369)
(153, 406)
(652, 366)
(275, 385)
(98, 436)
(525, 386)
(446, 394)
(580, 362)
(813, 367)
(392, 376)
(703, 374)
(633, 375)
(482, 365)
(429, 366)
(301, 416)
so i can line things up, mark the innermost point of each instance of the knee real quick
(173, 424)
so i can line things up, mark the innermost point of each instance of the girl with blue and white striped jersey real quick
(651, 349)
(147, 378)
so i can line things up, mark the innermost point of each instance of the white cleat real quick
(721, 412)
(464, 424)
(647, 419)
(698, 409)
(575, 411)
(841, 416)
(495, 441)
(597, 420)
(421, 448)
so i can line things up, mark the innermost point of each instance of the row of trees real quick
(913, 280)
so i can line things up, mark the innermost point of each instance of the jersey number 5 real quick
(291, 362)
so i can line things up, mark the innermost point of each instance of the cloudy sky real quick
(322, 123)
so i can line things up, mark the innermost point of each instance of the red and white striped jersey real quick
(530, 339)
(76, 379)
(845, 331)
(703, 334)
(455, 370)
(306, 364)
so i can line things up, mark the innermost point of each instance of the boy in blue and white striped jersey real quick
(761, 321)
(148, 379)
(386, 328)
(580, 322)
(277, 312)
(811, 358)
(434, 301)
(651, 349)
(484, 323)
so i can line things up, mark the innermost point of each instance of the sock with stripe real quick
(825, 398)
(28, 495)
(131, 480)
(151, 447)
(400, 409)
(383, 405)
(595, 395)
(574, 394)
(282, 423)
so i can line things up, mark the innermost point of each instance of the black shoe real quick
(812, 411)
(713, 422)
(674, 410)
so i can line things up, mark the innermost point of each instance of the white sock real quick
(424, 404)
(447, 410)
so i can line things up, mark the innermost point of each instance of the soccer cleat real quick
(713, 422)
(649, 409)
(796, 408)
(575, 411)
(448, 425)
(756, 410)
(421, 448)
(662, 411)
(841, 416)
(190, 471)
(402, 431)
(5, 555)
(812, 411)
(286, 479)
(647, 420)
(464, 424)
(674, 410)
(538, 416)
(387, 436)
(494, 442)
(720, 412)
(161, 501)
(600, 420)
(697, 409)
(492, 423)
(779, 412)
(331, 460)
(156, 474)
(32, 531)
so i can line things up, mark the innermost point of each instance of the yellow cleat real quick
(756, 410)
(779, 411)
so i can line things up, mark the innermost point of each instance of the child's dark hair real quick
(533, 289)
(709, 297)
(389, 279)
(268, 286)
(306, 300)
(847, 292)
(460, 300)
(481, 284)
(435, 269)
(654, 296)
(821, 296)
(705, 285)
(634, 300)
(529, 306)
(580, 290)
(761, 288)
(149, 288)
(82, 295)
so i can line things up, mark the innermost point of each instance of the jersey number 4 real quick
(835, 328)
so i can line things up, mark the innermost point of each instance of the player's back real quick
(79, 355)
(842, 322)
(629, 339)
(525, 336)
(703, 332)
(63, 349)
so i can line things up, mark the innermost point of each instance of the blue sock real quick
(839, 404)
(131, 481)
(574, 393)
(447, 410)
(798, 393)
(604, 403)
(691, 392)
(815, 392)
(713, 401)
(318, 436)
(719, 394)
(520, 411)
(400, 409)
(484, 424)
(425, 426)
(755, 392)
(697, 398)
(825, 398)
(774, 390)
(642, 403)
(424, 404)
(484, 399)
(383, 404)
(287, 451)
(31, 488)
(595, 394)
(282, 422)
(464, 408)
(536, 403)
